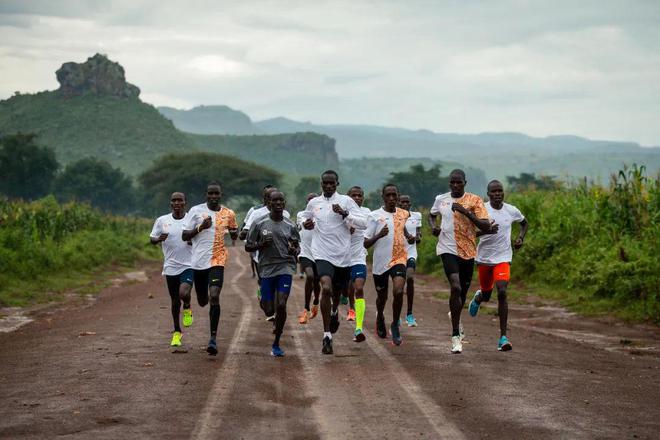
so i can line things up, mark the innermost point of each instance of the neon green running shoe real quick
(176, 339)
(187, 317)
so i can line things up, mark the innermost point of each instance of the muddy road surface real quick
(103, 370)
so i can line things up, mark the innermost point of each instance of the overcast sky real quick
(590, 68)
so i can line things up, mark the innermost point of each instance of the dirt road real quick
(104, 371)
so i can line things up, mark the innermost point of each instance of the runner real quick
(277, 241)
(460, 212)
(494, 255)
(243, 233)
(176, 265)
(206, 228)
(308, 266)
(414, 231)
(329, 216)
(387, 233)
(357, 303)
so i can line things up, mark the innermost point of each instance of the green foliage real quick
(306, 185)
(297, 153)
(191, 173)
(529, 181)
(97, 183)
(26, 169)
(43, 243)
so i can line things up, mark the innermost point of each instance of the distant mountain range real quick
(498, 154)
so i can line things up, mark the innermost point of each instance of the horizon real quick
(587, 70)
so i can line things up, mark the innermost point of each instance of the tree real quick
(26, 169)
(191, 172)
(422, 185)
(307, 184)
(98, 183)
(529, 181)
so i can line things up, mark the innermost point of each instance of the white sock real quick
(327, 335)
(334, 312)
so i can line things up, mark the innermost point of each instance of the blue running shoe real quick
(396, 335)
(474, 305)
(410, 320)
(212, 348)
(504, 344)
(276, 351)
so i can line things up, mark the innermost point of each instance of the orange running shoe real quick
(302, 319)
(351, 315)
(314, 312)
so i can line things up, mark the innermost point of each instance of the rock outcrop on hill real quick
(96, 76)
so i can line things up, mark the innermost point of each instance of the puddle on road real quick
(12, 319)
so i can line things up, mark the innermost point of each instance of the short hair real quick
(267, 186)
(359, 188)
(333, 172)
(492, 182)
(214, 183)
(179, 192)
(388, 185)
(459, 172)
(404, 195)
(277, 191)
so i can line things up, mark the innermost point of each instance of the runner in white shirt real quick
(357, 304)
(494, 255)
(308, 266)
(328, 216)
(243, 234)
(206, 227)
(386, 231)
(176, 265)
(414, 236)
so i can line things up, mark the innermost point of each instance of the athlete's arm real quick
(521, 235)
(435, 228)
(161, 237)
(368, 242)
(418, 235)
(354, 215)
(482, 223)
(189, 234)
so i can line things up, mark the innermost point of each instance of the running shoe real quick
(327, 346)
(504, 344)
(302, 318)
(359, 335)
(334, 322)
(396, 335)
(270, 318)
(187, 317)
(315, 311)
(411, 321)
(456, 345)
(351, 315)
(276, 351)
(176, 339)
(343, 300)
(474, 305)
(381, 329)
(212, 348)
(460, 326)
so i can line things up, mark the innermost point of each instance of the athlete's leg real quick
(450, 264)
(397, 298)
(173, 285)
(201, 278)
(310, 281)
(502, 305)
(283, 289)
(351, 296)
(216, 279)
(326, 299)
(410, 288)
(360, 303)
(466, 269)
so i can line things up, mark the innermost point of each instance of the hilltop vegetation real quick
(210, 119)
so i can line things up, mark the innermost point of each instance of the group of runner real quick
(330, 240)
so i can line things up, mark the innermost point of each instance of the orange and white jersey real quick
(458, 235)
(393, 248)
(208, 247)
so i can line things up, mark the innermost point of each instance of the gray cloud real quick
(588, 68)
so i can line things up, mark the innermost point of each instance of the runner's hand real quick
(352, 229)
(383, 232)
(518, 243)
(206, 223)
(436, 231)
(336, 208)
(494, 227)
(308, 224)
(459, 208)
(243, 234)
(163, 236)
(412, 239)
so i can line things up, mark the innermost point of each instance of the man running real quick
(206, 228)
(494, 255)
(357, 304)
(277, 241)
(243, 234)
(308, 266)
(386, 231)
(329, 216)
(414, 236)
(176, 265)
(457, 247)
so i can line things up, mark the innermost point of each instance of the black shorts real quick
(174, 281)
(382, 281)
(455, 264)
(341, 276)
(305, 263)
(411, 263)
(213, 276)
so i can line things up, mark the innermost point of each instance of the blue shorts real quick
(358, 271)
(279, 283)
(186, 276)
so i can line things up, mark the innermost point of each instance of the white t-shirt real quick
(331, 238)
(391, 249)
(496, 248)
(413, 222)
(358, 251)
(208, 247)
(176, 252)
(259, 214)
(305, 237)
